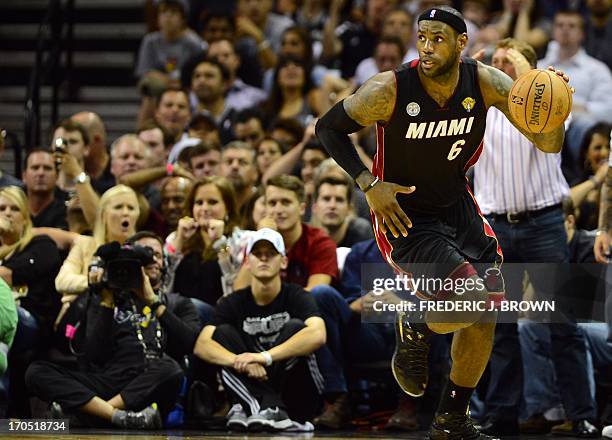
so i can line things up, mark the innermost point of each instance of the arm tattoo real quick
(501, 82)
(374, 101)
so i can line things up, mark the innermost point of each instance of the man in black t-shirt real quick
(264, 336)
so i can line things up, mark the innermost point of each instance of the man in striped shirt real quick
(520, 190)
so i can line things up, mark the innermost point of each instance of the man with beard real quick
(446, 97)
(238, 166)
(208, 81)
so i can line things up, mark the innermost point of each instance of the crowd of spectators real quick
(223, 146)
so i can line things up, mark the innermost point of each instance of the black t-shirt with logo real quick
(429, 145)
(263, 323)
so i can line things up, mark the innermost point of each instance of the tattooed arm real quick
(373, 102)
(495, 86)
(601, 248)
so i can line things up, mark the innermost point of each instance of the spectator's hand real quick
(187, 226)
(215, 228)
(147, 293)
(602, 172)
(243, 360)
(180, 171)
(95, 274)
(601, 248)
(518, 60)
(383, 203)
(257, 371)
(69, 165)
(246, 28)
(309, 132)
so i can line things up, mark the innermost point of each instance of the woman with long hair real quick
(585, 189)
(201, 238)
(292, 94)
(28, 264)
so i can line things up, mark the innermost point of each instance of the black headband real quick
(452, 20)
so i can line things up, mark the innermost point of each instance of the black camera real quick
(60, 145)
(122, 265)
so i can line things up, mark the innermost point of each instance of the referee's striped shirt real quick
(512, 175)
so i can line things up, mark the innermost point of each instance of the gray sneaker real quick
(237, 419)
(270, 419)
(148, 418)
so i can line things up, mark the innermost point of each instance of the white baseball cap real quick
(269, 235)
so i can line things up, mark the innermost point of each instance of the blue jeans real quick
(336, 313)
(599, 347)
(541, 392)
(539, 239)
(347, 336)
(205, 311)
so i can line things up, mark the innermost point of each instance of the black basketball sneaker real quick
(455, 426)
(409, 362)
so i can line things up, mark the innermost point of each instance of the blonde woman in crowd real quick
(115, 221)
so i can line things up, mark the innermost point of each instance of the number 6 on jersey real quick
(455, 150)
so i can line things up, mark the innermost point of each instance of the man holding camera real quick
(70, 148)
(124, 343)
(260, 335)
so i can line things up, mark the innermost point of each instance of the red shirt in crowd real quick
(313, 253)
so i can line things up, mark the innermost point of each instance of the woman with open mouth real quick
(116, 219)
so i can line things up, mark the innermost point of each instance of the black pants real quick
(294, 384)
(159, 382)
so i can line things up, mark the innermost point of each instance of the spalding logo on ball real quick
(540, 101)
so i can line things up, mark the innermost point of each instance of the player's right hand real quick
(601, 248)
(382, 199)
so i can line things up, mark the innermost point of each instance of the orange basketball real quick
(540, 100)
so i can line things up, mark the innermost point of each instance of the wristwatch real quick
(81, 178)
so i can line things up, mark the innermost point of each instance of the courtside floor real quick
(218, 435)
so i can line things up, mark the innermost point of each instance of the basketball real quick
(539, 101)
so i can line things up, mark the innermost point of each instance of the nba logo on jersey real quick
(432, 13)
(413, 109)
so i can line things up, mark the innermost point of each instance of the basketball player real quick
(430, 116)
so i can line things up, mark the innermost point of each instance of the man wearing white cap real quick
(264, 336)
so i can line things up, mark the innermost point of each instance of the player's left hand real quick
(562, 74)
